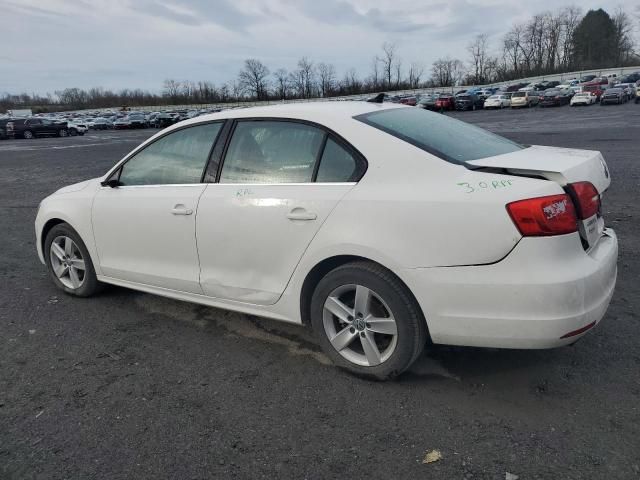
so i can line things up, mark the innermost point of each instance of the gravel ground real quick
(128, 385)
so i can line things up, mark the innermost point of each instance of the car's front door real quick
(144, 228)
(278, 183)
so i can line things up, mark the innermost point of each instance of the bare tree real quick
(305, 77)
(623, 42)
(374, 79)
(479, 55)
(571, 17)
(416, 71)
(398, 71)
(388, 61)
(254, 78)
(326, 78)
(171, 89)
(447, 72)
(282, 83)
(350, 83)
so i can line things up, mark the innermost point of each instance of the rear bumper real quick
(543, 290)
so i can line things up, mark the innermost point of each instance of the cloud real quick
(196, 12)
(139, 43)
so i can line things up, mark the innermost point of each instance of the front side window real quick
(442, 136)
(265, 151)
(177, 158)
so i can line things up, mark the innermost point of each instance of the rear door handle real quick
(301, 214)
(181, 210)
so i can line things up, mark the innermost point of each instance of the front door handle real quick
(301, 214)
(181, 210)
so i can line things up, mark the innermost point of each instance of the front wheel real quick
(367, 321)
(63, 133)
(69, 263)
(27, 134)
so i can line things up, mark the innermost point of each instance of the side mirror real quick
(112, 183)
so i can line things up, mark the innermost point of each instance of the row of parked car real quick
(587, 90)
(71, 124)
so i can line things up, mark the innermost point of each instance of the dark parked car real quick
(446, 102)
(162, 120)
(613, 95)
(469, 101)
(516, 86)
(122, 123)
(35, 127)
(631, 78)
(102, 123)
(555, 98)
(547, 85)
(137, 120)
(587, 78)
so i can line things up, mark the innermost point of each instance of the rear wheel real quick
(367, 321)
(69, 263)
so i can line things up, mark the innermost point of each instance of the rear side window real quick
(176, 158)
(442, 136)
(336, 165)
(265, 151)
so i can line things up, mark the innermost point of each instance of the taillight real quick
(586, 198)
(544, 216)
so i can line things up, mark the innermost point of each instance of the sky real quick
(49, 45)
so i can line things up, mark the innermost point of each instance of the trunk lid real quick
(563, 166)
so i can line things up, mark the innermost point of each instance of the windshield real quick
(442, 136)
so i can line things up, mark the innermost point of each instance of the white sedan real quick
(583, 98)
(381, 226)
(497, 101)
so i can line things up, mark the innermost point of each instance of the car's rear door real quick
(144, 228)
(278, 183)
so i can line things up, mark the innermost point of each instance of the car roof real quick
(320, 112)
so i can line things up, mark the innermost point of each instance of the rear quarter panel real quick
(414, 210)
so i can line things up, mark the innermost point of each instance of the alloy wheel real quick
(67, 262)
(360, 325)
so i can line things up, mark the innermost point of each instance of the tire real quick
(388, 298)
(28, 135)
(89, 284)
(62, 133)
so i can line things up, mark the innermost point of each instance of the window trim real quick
(362, 164)
(116, 171)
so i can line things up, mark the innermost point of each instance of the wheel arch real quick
(323, 267)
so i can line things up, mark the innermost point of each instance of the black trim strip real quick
(215, 155)
(319, 155)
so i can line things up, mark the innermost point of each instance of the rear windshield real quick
(442, 136)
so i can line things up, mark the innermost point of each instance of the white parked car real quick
(379, 225)
(76, 127)
(497, 101)
(583, 98)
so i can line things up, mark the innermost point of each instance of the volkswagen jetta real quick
(381, 226)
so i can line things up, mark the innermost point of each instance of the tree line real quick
(551, 42)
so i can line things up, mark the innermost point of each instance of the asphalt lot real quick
(128, 385)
